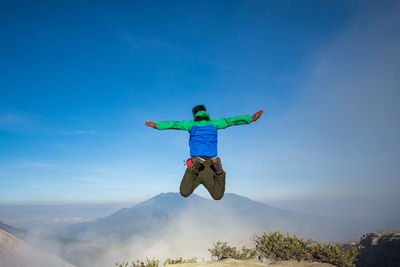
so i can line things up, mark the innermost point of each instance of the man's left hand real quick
(257, 115)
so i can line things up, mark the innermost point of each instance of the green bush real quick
(222, 251)
(154, 262)
(146, 263)
(280, 246)
(179, 260)
(336, 254)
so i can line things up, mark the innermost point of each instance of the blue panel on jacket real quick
(203, 141)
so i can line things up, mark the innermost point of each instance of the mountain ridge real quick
(155, 213)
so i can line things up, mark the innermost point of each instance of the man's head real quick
(198, 108)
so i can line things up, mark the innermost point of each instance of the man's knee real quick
(217, 196)
(218, 192)
(188, 183)
(185, 193)
(186, 189)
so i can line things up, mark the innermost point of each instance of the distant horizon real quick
(119, 205)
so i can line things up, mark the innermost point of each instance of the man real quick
(204, 166)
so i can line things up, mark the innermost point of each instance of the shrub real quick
(147, 263)
(222, 251)
(280, 246)
(336, 254)
(154, 262)
(180, 260)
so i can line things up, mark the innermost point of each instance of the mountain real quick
(126, 223)
(168, 212)
(15, 252)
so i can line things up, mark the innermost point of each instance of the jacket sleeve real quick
(223, 123)
(177, 125)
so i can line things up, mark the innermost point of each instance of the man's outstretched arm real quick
(165, 125)
(238, 120)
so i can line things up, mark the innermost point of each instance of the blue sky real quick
(79, 79)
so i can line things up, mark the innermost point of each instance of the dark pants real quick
(214, 183)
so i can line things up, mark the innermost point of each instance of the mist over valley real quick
(169, 225)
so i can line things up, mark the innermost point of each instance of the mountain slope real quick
(77, 252)
(129, 222)
(159, 213)
(15, 252)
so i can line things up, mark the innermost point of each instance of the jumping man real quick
(204, 166)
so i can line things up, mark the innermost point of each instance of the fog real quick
(354, 116)
(184, 237)
(189, 232)
(42, 217)
(188, 235)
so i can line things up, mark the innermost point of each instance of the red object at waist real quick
(189, 162)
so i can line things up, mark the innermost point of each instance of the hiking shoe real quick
(216, 161)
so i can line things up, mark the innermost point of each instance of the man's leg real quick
(214, 183)
(189, 182)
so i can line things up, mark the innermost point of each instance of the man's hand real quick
(151, 124)
(257, 115)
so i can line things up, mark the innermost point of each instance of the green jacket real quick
(202, 118)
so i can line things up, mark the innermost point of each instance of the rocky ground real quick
(239, 263)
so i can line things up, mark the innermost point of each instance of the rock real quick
(380, 248)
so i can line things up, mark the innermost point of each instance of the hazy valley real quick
(171, 226)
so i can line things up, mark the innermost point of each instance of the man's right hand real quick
(151, 124)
